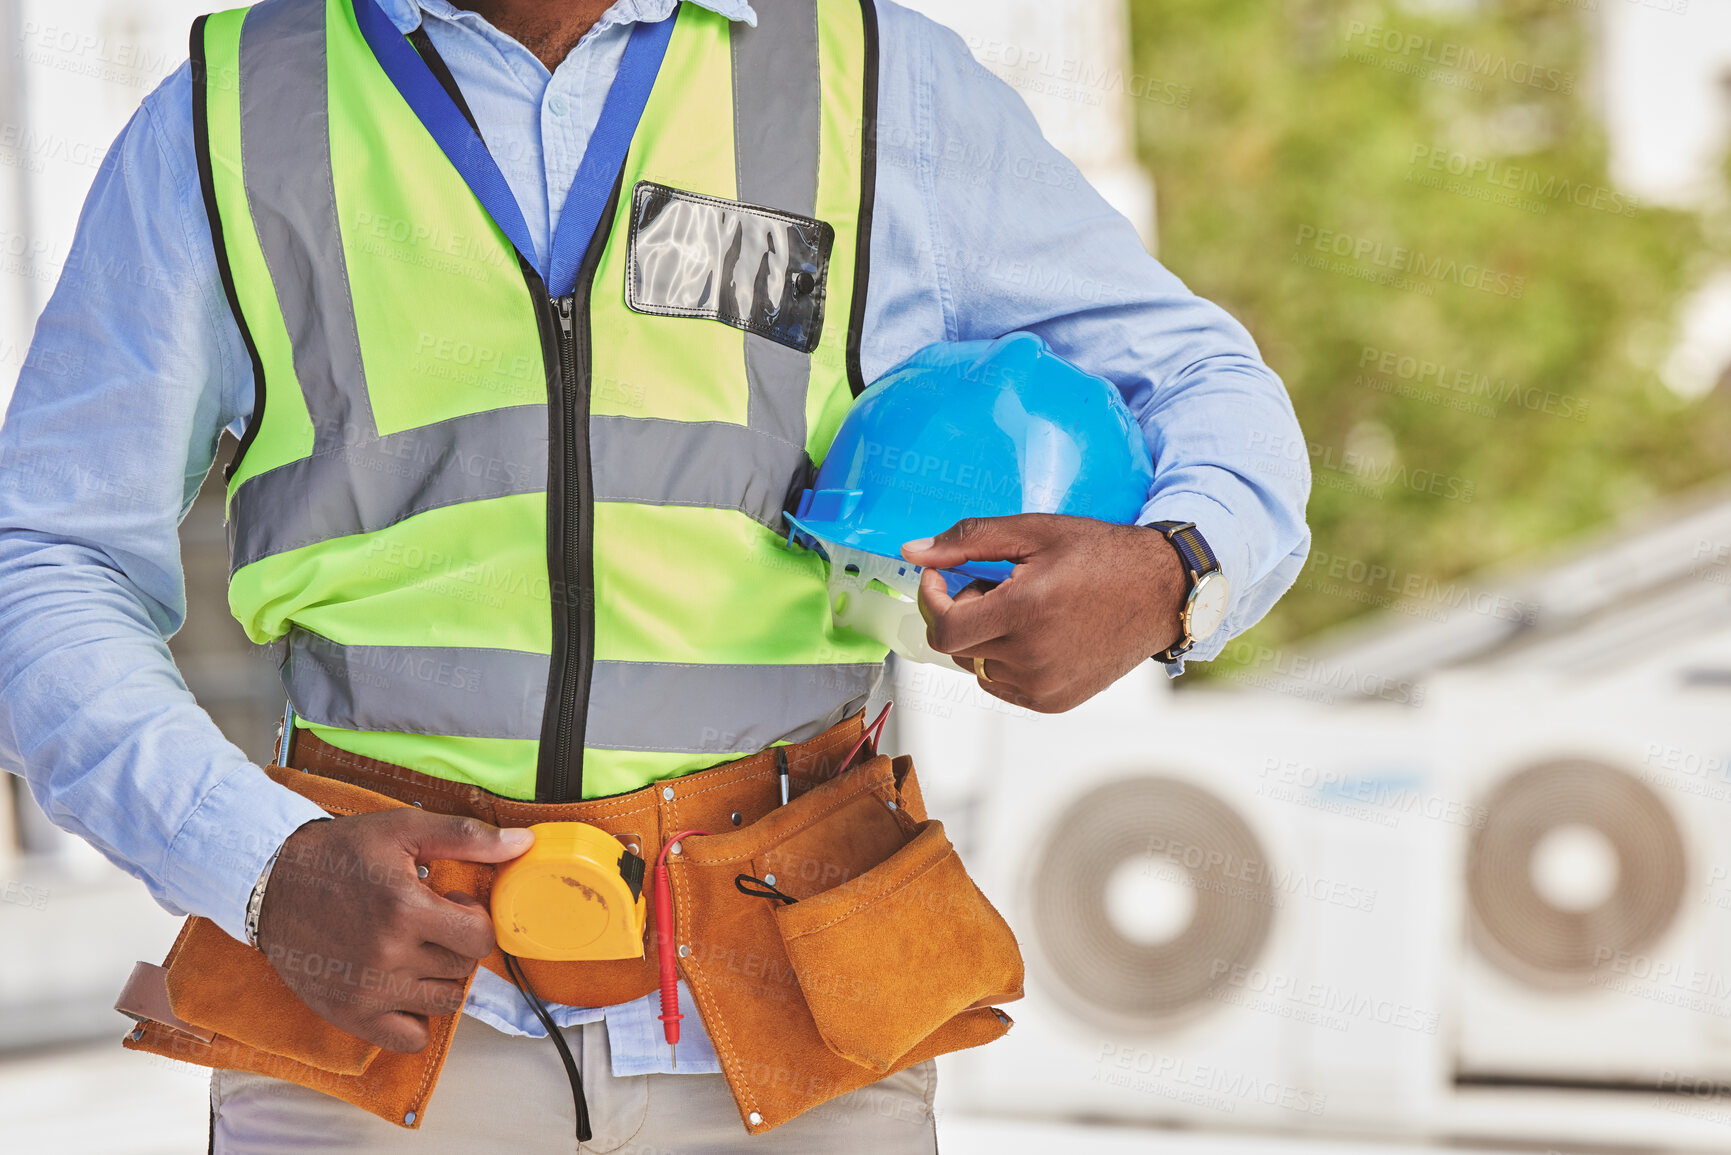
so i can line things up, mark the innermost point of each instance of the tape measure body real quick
(576, 895)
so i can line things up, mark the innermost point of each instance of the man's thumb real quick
(974, 539)
(466, 840)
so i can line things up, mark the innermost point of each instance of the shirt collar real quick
(406, 14)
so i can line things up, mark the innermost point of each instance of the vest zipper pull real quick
(565, 310)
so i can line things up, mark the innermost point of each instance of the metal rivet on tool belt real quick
(676, 847)
(633, 848)
(755, 1118)
(417, 806)
(891, 805)
(421, 871)
(667, 793)
(684, 951)
(138, 1032)
(409, 1119)
(736, 817)
(769, 879)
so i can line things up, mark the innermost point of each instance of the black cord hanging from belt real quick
(760, 888)
(572, 1071)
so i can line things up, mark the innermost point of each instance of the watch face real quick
(1208, 605)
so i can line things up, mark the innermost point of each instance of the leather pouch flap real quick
(886, 958)
(227, 987)
(791, 1009)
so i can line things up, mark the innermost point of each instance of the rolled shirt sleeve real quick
(132, 374)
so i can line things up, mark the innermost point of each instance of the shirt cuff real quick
(1220, 529)
(217, 856)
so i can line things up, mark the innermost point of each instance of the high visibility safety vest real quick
(527, 543)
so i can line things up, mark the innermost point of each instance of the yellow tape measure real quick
(577, 894)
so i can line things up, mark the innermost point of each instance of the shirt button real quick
(557, 104)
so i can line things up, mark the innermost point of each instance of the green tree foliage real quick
(1461, 157)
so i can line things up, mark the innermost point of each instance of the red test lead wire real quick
(664, 948)
(874, 731)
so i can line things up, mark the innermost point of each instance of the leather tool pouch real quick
(255, 1023)
(889, 956)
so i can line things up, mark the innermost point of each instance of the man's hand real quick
(352, 930)
(1088, 602)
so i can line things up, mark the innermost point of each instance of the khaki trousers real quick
(509, 1094)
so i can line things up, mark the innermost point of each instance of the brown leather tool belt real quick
(888, 956)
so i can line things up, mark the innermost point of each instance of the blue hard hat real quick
(975, 429)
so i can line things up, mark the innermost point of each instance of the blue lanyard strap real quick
(605, 154)
(590, 188)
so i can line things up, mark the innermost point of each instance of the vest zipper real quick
(560, 778)
(564, 325)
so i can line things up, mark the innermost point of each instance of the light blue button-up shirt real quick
(981, 228)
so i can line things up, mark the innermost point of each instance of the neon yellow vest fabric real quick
(527, 544)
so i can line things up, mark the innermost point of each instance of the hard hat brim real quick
(815, 534)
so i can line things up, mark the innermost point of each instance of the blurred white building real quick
(1666, 95)
(1666, 99)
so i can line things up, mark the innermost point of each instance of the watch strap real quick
(1192, 547)
(1198, 561)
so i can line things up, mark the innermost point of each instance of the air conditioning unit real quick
(1596, 889)
(959, 735)
(1229, 909)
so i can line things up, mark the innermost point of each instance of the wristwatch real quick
(1204, 607)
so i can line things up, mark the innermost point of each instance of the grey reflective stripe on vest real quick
(286, 156)
(777, 104)
(703, 709)
(489, 693)
(356, 481)
(497, 453)
(415, 689)
(712, 464)
(374, 484)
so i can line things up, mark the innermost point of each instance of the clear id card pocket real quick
(755, 268)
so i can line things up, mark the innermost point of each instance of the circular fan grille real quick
(1183, 833)
(1526, 934)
